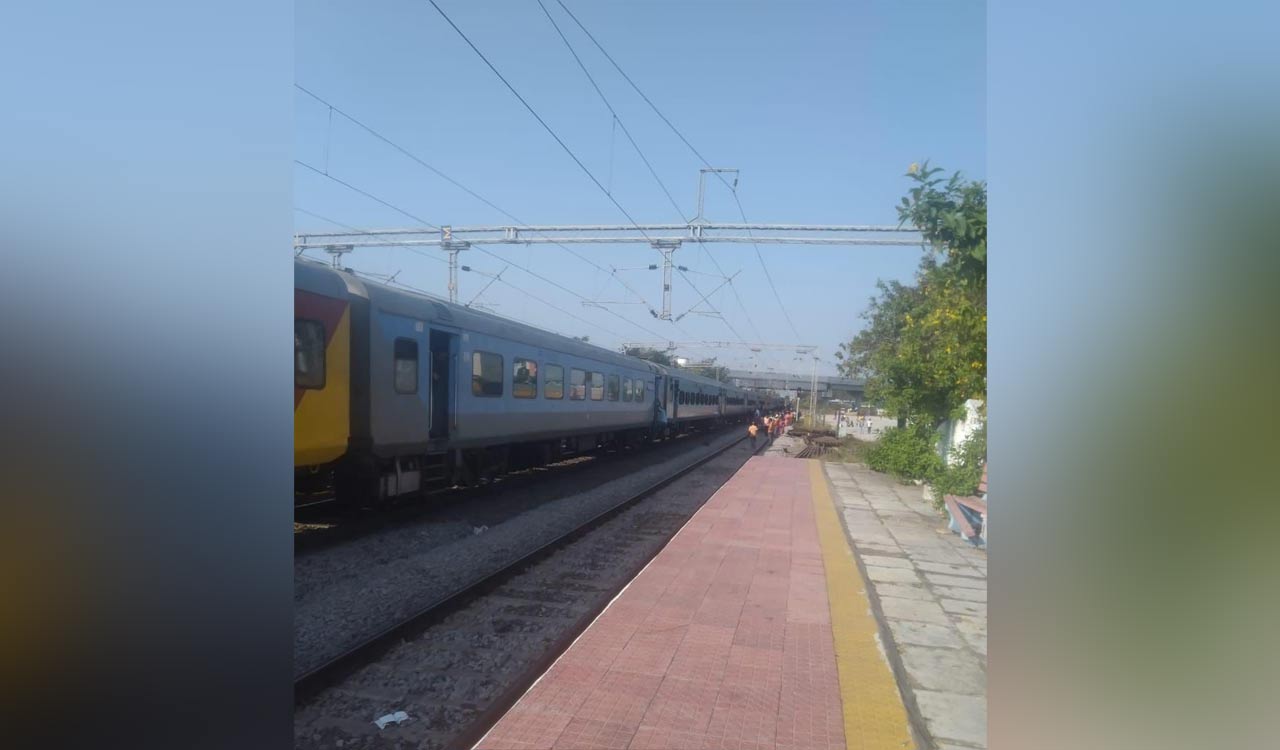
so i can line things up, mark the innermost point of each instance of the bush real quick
(962, 478)
(907, 453)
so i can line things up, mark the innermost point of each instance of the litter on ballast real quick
(394, 718)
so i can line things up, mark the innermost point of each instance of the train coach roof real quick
(685, 376)
(311, 276)
(426, 307)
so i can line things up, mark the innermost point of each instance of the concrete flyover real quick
(829, 386)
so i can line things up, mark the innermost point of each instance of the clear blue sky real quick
(822, 105)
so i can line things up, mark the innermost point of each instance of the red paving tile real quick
(723, 641)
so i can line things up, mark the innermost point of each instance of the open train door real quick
(444, 351)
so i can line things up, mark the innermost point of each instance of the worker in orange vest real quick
(752, 430)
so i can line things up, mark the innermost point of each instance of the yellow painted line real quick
(874, 717)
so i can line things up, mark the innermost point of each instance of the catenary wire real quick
(612, 111)
(562, 144)
(369, 129)
(696, 153)
(497, 257)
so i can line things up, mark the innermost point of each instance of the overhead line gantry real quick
(665, 238)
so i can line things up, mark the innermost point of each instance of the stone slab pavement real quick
(930, 590)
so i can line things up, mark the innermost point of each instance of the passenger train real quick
(395, 391)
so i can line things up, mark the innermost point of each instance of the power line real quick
(554, 135)
(612, 111)
(370, 196)
(559, 286)
(562, 310)
(456, 183)
(695, 151)
(532, 111)
(765, 268)
(618, 67)
(493, 278)
(495, 256)
(485, 288)
(617, 121)
(348, 227)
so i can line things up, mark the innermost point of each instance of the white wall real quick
(956, 431)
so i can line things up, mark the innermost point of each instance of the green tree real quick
(652, 355)
(952, 219)
(710, 370)
(923, 350)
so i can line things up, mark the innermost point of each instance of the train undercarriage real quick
(363, 480)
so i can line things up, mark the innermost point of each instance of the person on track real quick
(752, 430)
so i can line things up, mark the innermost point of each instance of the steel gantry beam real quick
(799, 348)
(664, 238)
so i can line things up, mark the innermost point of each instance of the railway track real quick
(319, 526)
(566, 617)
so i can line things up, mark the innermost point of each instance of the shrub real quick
(907, 452)
(962, 478)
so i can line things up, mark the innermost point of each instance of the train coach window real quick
(627, 389)
(614, 388)
(308, 353)
(577, 384)
(486, 374)
(554, 379)
(524, 378)
(406, 366)
(597, 386)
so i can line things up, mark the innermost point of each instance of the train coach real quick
(395, 391)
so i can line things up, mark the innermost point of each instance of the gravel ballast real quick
(446, 676)
(347, 594)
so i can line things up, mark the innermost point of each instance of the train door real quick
(443, 351)
(675, 398)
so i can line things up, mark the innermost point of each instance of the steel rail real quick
(317, 679)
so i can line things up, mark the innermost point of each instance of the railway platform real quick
(752, 628)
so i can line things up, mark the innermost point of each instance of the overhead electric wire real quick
(768, 276)
(493, 278)
(561, 287)
(534, 297)
(623, 73)
(652, 171)
(457, 184)
(485, 288)
(368, 195)
(535, 114)
(350, 228)
(495, 256)
(613, 112)
(703, 159)
(557, 138)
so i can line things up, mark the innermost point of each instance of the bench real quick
(969, 514)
